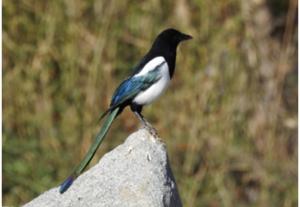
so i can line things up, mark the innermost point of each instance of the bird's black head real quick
(165, 45)
(170, 38)
(173, 36)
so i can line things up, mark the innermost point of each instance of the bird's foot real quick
(151, 130)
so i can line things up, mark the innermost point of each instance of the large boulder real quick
(136, 173)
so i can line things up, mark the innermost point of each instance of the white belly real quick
(154, 91)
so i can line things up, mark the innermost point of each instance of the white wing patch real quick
(154, 91)
(151, 65)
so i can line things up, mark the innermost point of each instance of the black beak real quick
(186, 37)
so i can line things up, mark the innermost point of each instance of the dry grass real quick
(229, 118)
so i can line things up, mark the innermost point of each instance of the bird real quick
(149, 79)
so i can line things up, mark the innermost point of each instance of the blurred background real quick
(229, 118)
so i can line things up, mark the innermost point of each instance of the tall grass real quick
(229, 118)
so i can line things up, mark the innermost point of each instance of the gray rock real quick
(136, 173)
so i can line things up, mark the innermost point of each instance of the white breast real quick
(154, 91)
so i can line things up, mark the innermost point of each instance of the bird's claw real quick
(151, 130)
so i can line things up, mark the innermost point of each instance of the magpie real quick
(149, 79)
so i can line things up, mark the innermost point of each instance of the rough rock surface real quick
(136, 173)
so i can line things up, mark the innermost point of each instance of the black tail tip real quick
(66, 184)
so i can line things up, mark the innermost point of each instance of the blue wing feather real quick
(129, 88)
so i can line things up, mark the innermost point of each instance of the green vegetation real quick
(229, 118)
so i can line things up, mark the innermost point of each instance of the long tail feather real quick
(103, 115)
(90, 154)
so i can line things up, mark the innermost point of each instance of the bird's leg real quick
(146, 124)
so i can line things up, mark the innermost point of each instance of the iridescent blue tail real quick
(90, 154)
(66, 184)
